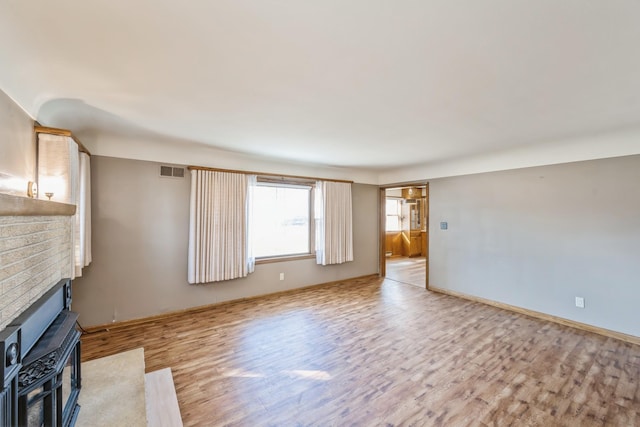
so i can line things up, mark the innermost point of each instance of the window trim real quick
(289, 182)
(282, 258)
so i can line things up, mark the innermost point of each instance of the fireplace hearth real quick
(41, 369)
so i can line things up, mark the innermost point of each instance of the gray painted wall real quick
(538, 237)
(17, 148)
(140, 237)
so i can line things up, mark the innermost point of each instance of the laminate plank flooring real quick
(412, 271)
(377, 352)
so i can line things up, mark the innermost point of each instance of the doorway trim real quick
(382, 215)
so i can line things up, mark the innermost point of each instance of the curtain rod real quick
(61, 132)
(266, 174)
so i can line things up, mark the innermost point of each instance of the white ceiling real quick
(367, 84)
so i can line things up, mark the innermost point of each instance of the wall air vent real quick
(171, 172)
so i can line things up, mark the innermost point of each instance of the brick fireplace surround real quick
(35, 251)
(35, 254)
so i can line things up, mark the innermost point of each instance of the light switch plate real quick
(579, 302)
(444, 225)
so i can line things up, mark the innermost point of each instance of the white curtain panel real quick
(58, 168)
(218, 226)
(59, 175)
(334, 222)
(252, 181)
(83, 216)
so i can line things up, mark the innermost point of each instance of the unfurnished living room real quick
(356, 213)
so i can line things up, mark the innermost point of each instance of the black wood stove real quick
(40, 374)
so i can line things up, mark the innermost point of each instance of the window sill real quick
(271, 260)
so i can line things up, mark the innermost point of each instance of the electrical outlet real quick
(579, 302)
(281, 276)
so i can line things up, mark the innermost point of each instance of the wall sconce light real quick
(32, 190)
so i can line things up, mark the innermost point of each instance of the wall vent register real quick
(170, 171)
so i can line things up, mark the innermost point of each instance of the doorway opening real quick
(404, 234)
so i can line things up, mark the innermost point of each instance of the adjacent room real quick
(258, 213)
(406, 235)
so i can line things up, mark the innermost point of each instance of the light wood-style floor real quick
(378, 352)
(412, 271)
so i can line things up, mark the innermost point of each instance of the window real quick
(394, 209)
(281, 220)
(236, 218)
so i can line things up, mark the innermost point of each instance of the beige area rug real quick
(113, 391)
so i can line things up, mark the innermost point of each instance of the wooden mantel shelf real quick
(25, 206)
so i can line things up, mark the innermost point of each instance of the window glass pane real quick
(393, 223)
(392, 207)
(281, 220)
(393, 214)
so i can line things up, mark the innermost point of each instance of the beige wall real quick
(34, 250)
(538, 237)
(17, 148)
(140, 236)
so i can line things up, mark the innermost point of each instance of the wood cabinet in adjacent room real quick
(415, 243)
